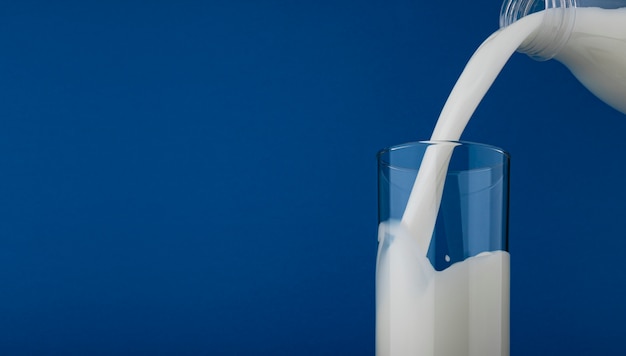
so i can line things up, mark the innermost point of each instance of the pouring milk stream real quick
(587, 36)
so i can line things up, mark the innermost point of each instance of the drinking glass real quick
(442, 285)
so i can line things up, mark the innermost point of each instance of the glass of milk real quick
(451, 298)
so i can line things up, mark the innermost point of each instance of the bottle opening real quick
(555, 30)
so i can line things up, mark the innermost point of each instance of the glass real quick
(453, 298)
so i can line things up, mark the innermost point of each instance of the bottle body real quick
(588, 37)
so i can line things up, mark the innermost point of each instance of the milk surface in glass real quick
(462, 310)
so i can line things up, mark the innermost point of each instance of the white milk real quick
(595, 53)
(479, 73)
(458, 311)
(462, 310)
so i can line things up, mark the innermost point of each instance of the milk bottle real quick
(587, 36)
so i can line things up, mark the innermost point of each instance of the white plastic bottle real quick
(587, 36)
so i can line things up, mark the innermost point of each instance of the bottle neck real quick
(554, 32)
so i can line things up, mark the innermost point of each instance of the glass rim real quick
(427, 143)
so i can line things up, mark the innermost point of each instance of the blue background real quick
(199, 177)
